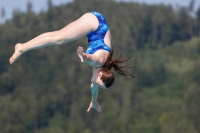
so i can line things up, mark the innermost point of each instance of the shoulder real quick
(100, 57)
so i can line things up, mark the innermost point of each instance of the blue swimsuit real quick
(96, 38)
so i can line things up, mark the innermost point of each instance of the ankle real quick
(21, 48)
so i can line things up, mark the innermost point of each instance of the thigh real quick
(79, 28)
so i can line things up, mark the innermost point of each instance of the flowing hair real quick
(119, 67)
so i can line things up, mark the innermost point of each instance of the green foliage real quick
(48, 90)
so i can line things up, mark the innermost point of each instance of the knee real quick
(57, 40)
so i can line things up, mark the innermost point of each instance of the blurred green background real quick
(48, 90)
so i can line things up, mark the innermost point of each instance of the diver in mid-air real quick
(98, 54)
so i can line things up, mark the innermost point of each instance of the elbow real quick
(92, 85)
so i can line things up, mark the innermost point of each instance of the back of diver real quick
(96, 38)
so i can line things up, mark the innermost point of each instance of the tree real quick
(49, 4)
(191, 5)
(192, 103)
(29, 7)
(3, 12)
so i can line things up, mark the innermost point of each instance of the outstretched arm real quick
(94, 104)
(89, 58)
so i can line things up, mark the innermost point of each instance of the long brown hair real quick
(107, 75)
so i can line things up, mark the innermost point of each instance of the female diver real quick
(98, 54)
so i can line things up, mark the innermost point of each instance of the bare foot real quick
(80, 53)
(17, 53)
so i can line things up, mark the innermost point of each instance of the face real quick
(99, 82)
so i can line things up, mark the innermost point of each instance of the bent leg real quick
(73, 31)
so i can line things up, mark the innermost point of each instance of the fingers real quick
(80, 49)
(80, 53)
(89, 107)
(97, 108)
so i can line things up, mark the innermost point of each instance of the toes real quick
(16, 54)
(11, 60)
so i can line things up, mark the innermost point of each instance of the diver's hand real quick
(95, 105)
(80, 53)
